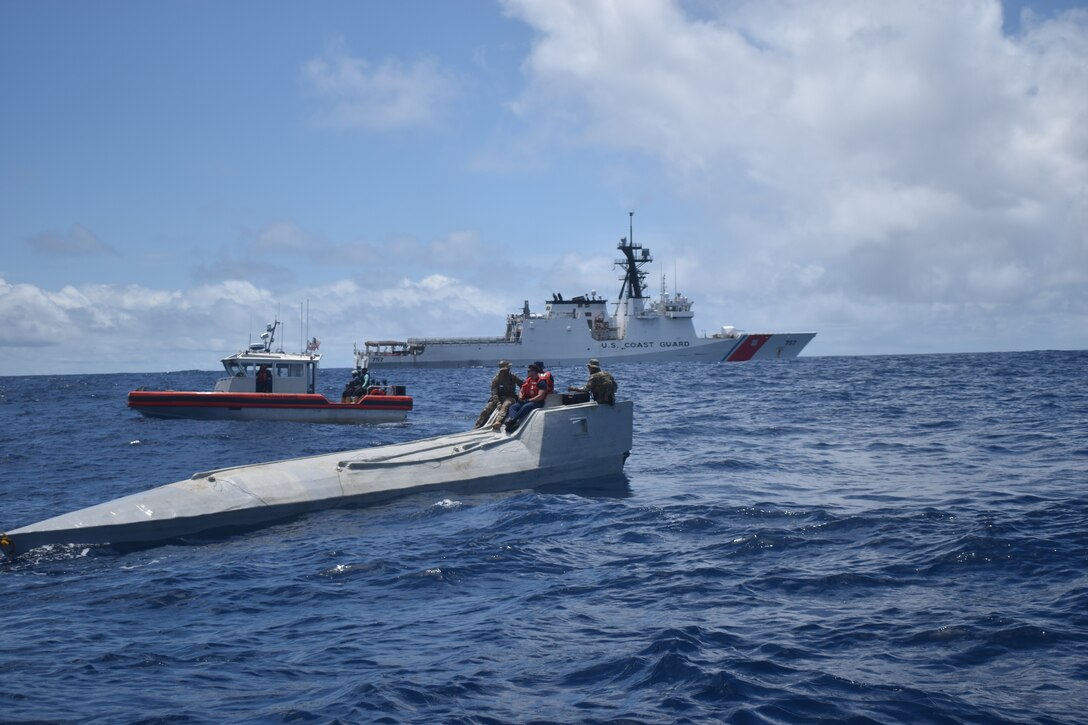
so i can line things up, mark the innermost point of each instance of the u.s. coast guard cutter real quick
(555, 444)
(568, 331)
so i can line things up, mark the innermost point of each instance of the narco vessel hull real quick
(556, 444)
(636, 329)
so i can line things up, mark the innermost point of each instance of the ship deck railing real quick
(459, 340)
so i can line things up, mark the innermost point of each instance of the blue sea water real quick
(868, 540)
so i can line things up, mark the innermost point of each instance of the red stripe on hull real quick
(141, 399)
(748, 348)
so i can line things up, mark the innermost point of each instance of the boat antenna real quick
(277, 322)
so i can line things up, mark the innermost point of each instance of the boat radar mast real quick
(269, 335)
(634, 277)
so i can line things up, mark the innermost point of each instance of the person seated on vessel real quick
(601, 385)
(545, 377)
(504, 393)
(348, 396)
(264, 380)
(356, 387)
(533, 392)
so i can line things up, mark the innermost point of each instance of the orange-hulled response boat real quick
(266, 385)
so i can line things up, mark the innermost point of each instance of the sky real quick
(896, 177)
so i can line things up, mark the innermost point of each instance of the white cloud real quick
(116, 328)
(31, 318)
(79, 241)
(898, 177)
(272, 253)
(284, 236)
(913, 152)
(356, 93)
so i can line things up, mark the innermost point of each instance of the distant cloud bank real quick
(353, 92)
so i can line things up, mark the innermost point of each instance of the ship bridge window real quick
(235, 370)
(289, 370)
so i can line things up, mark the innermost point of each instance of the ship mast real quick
(634, 277)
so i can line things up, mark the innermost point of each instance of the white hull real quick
(566, 351)
(570, 331)
(553, 445)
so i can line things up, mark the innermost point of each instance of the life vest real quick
(530, 388)
(546, 382)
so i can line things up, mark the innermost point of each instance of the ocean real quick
(889, 539)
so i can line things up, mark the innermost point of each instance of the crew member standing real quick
(264, 380)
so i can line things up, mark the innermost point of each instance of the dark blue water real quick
(881, 539)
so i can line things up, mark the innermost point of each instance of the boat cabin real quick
(278, 371)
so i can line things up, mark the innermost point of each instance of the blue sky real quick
(896, 177)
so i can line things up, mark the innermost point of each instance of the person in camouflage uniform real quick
(504, 393)
(601, 385)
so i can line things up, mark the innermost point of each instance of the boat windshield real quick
(248, 369)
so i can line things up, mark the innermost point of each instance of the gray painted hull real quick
(554, 445)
